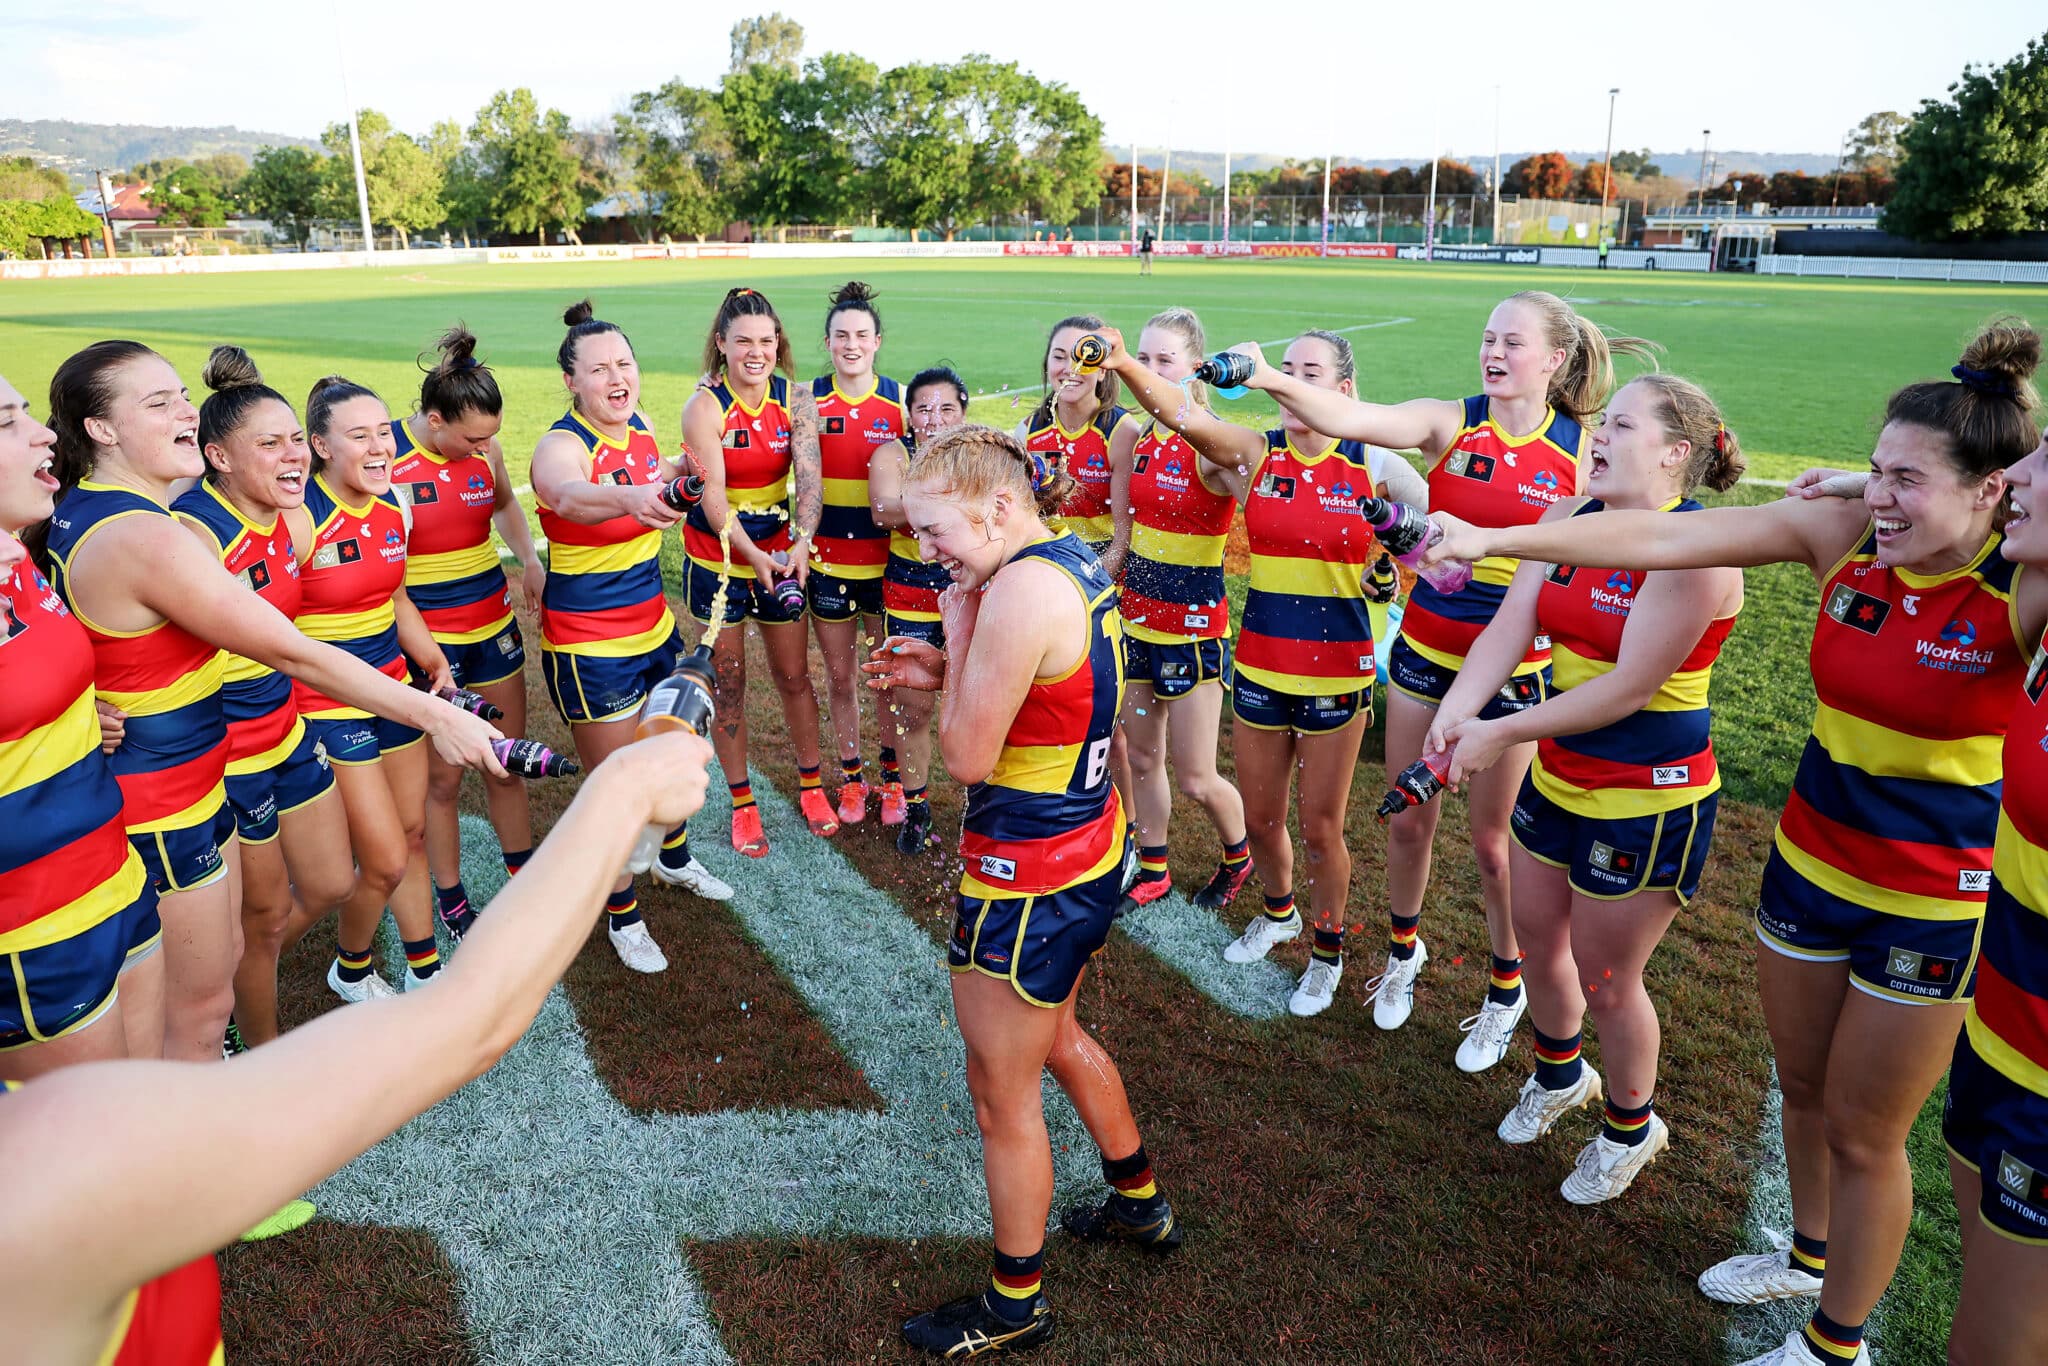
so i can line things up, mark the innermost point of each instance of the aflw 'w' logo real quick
(565, 1213)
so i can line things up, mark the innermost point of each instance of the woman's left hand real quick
(1479, 745)
(113, 725)
(533, 581)
(959, 609)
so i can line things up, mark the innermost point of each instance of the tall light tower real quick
(1706, 138)
(1607, 171)
(355, 140)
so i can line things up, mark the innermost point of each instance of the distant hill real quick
(76, 148)
(1683, 165)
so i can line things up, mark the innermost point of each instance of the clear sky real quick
(1366, 79)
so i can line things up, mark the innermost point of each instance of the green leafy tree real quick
(1976, 165)
(403, 179)
(683, 155)
(982, 140)
(1874, 143)
(188, 197)
(524, 155)
(1636, 165)
(768, 40)
(24, 223)
(465, 185)
(801, 139)
(288, 186)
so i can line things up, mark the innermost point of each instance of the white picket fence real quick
(1905, 268)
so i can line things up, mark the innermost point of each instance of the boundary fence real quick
(1620, 258)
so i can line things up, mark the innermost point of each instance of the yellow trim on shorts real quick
(28, 1019)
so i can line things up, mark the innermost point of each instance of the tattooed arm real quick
(808, 468)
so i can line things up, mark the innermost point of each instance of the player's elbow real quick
(967, 760)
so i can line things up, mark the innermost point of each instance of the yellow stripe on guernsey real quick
(196, 686)
(34, 759)
(1977, 761)
(2016, 862)
(341, 626)
(564, 558)
(192, 815)
(1169, 547)
(450, 564)
(75, 917)
(272, 757)
(1035, 768)
(1683, 691)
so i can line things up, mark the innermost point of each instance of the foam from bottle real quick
(710, 637)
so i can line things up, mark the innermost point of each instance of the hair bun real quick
(853, 292)
(578, 313)
(458, 348)
(229, 367)
(2001, 359)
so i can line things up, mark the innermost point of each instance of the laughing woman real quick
(159, 608)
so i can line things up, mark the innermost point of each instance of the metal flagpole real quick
(1226, 186)
(1496, 166)
(1327, 159)
(1429, 229)
(1165, 183)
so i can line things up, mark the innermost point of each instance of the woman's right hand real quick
(461, 739)
(1460, 541)
(1262, 373)
(670, 771)
(906, 662)
(650, 509)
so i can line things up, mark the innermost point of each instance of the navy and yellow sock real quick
(916, 796)
(851, 770)
(623, 908)
(742, 795)
(351, 966)
(890, 773)
(422, 957)
(1151, 863)
(1629, 1126)
(675, 846)
(1134, 1191)
(1558, 1061)
(449, 901)
(1506, 986)
(515, 859)
(1280, 907)
(1831, 1341)
(1401, 935)
(1329, 946)
(1236, 856)
(1809, 1255)
(1014, 1282)
(808, 779)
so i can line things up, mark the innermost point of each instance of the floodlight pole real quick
(1165, 184)
(1429, 228)
(1327, 159)
(1841, 151)
(1134, 196)
(1706, 138)
(1607, 168)
(106, 209)
(1226, 188)
(355, 140)
(1496, 165)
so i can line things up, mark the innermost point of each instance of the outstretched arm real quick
(704, 438)
(1224, 445)
(1814, 533)
(561, 479)
(1423, 424)
(1122, 442)
(174, 575)
(174, 1160)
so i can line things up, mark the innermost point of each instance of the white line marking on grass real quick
(563, 1212)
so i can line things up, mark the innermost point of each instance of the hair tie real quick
(1984, 381)
(1041, 472)
(466, 363)
(1720, 439)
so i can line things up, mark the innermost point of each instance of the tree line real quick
(787, 139)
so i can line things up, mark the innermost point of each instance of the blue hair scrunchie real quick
(1984, 381)
(1041, 471)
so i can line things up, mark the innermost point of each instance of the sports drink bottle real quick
(1416, 784)
(532, 759)
(1408, 532)
(682, 701)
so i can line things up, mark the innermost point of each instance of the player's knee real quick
(1490, 856)
(444, 784)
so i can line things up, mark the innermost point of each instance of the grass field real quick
(766, 1153)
